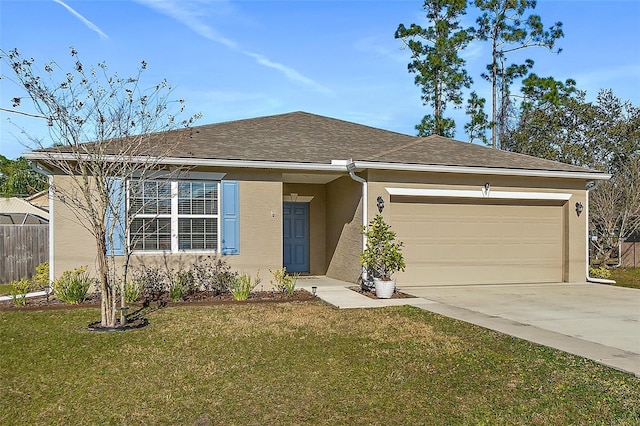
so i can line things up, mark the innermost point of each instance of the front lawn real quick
(295, 363)
(626, 277)
(5, 289)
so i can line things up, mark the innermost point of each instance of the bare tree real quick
(130, 129)
(614, 209)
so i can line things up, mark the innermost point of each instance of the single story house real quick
(295, 189)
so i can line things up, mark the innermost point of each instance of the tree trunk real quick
(108, 317)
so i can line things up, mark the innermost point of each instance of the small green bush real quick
(181, 283)
(283, 282)
(41, 277)
(132, 291)
(600, 272)
(19, 290)
(242, 286)
(73, 286)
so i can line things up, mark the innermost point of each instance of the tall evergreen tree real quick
(439, 69)
(504, 25)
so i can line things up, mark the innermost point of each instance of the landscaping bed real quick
(200, 298)
(372, 294)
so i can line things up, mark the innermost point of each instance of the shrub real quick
(600, 272)
(41, 277)
(151, 281)
(176, 291)
(213, 275)
(242, 286)
(132, 291)
(73, 286)
(283, 282)
(19, 290)
(383, 254)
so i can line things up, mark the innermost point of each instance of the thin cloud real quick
(287, 71)
(189, 14)
(84, 20)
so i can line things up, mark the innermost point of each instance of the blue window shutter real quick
(116, 219)
(230, 218)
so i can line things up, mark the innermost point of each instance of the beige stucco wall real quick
(344, 219)
(573, 227)
(260, 231)
(335, 220)
(73, 244)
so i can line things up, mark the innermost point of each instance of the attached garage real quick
(478, 242)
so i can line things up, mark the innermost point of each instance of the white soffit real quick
(479, 193)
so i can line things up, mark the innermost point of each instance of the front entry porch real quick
(321, 219)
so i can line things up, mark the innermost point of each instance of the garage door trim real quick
(481, 193)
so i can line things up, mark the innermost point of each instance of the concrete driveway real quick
(595, 321)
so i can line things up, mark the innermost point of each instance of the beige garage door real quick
(475, 243)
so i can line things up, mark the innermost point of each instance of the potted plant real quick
(382, 255)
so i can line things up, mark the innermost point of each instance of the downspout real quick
(44, 171)
(590, 187)
(619, 264)
(351, 168)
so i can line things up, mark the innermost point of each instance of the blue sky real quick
(239, 59)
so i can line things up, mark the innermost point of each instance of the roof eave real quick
(589, 175)
(338, 166)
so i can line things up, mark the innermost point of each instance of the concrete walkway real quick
(594, 321)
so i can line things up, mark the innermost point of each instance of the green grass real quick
(296, 363)
(5, 289)
(626, 277)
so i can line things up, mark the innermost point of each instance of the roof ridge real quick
(418, 140)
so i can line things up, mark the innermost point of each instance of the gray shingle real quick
(302, 137)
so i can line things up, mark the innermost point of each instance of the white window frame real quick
(174, 218)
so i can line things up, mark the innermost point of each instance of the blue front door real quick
(295, 221)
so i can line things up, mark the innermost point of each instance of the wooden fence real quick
(22, 248)
(630, 254)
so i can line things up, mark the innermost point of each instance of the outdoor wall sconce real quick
(485, 189)
(380, 204)
(579, 208)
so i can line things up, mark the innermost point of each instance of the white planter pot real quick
(384, 289)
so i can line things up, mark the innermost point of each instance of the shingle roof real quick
(301, 137)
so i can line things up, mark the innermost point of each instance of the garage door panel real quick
(475, 244)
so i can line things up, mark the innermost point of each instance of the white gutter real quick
(365, 217)
(586, 208)
(481, 170)
(335, 165)
(44, 171)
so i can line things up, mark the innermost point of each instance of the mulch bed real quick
(372, 294)
(203, 298)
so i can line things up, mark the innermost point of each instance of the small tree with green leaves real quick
(382, 254)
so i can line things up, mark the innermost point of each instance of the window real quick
(174, 215)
